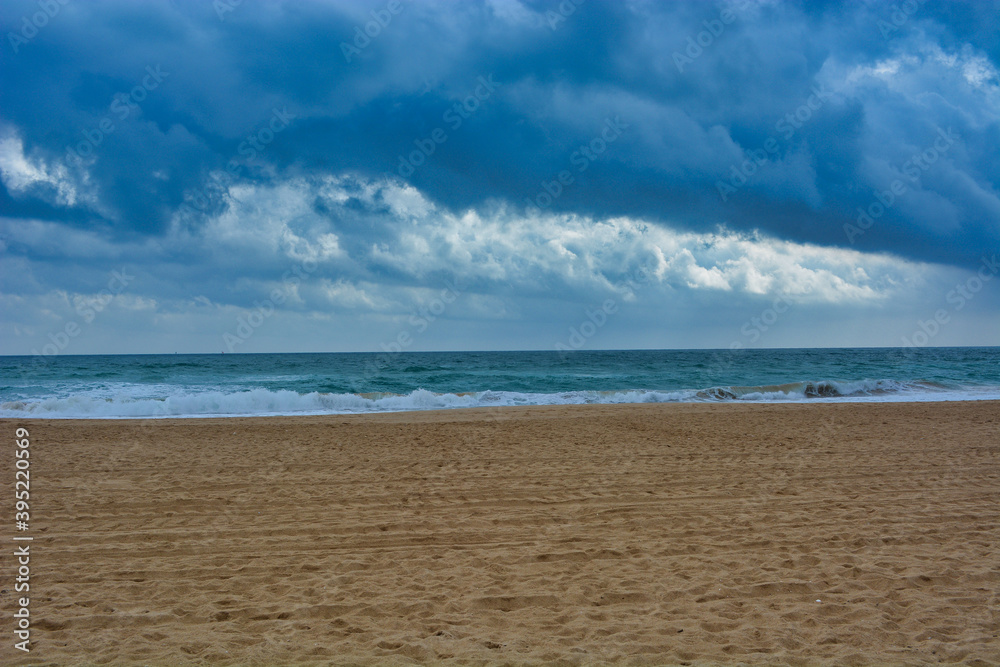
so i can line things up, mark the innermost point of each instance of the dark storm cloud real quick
(699, 88)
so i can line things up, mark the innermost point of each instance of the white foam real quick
(263, 402)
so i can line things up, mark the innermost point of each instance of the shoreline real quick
(658, 533)
(494, 409)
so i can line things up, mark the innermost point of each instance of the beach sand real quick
(844, 534)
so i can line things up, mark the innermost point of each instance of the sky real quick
(265, 176)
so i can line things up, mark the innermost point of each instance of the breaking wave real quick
(264, 402)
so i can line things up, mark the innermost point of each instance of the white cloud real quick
(275, 220)
(926, 77)
(373, 263)
(413, 239)
(513, 11)
(56, 239)
(21, 173)
(347, 295)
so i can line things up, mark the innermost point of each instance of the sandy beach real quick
(846, 534)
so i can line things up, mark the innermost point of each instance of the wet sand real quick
(845, 534)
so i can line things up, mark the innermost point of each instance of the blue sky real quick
(362, 176)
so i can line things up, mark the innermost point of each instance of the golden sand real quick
(843, 534)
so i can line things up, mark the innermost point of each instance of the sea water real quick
(177, 385)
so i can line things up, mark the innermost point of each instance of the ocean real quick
(229, 385)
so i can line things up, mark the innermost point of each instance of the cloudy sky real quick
(320, 176)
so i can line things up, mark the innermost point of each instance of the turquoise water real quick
(278, 384)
